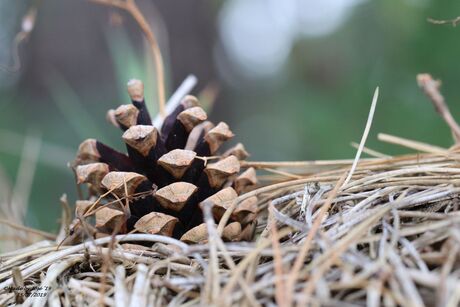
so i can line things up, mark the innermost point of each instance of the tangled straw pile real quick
(390, 236)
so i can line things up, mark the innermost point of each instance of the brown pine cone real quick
(158, 187)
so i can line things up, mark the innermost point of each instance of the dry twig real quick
(27, 26)
(131, 7)
(431, 89)
(454, 21)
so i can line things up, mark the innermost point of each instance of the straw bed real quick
(389, 236)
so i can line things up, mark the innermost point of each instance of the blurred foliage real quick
(313, 110)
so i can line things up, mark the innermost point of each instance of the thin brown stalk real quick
(282, 173)
(212, 287)
(454, 22)
(364, 137)
(44, 234)
(416, 145)
(27, 26)
(131, 7)
(371, 152)
(280, 291)
(431, 89)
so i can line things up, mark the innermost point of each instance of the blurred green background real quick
(295, 78)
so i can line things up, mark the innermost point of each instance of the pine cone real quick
(165, 176)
